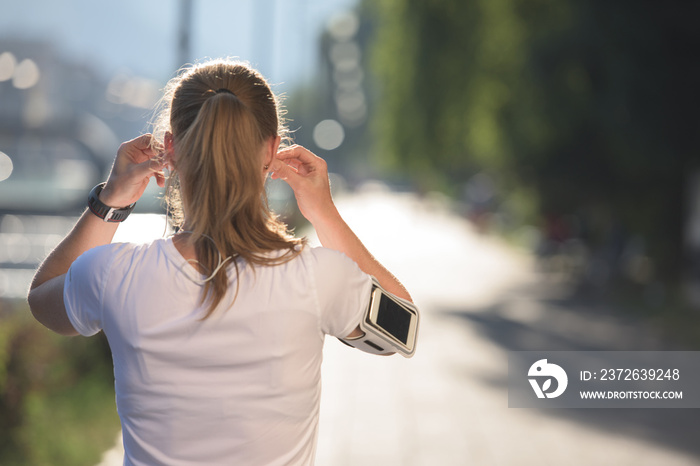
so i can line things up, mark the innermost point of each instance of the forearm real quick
(334, 233)
(89, 232)
(307, 175)
(136, 163)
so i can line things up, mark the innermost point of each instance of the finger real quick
(282, 171)
(142, 142)
(145, 169)
(288, 150)
(137, 150)
(297, 152)
(157, 145)
(294, 163)
(139, 144)
(153, 150)
(160, 179)
(146, 144)
(157, 165)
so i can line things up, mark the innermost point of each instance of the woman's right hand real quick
(307, 175)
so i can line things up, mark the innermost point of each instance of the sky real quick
(276, 36)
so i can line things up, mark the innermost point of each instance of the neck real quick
(184, 246)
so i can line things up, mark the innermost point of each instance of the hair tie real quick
(223, 89)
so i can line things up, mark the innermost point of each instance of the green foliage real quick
(56, 395)
(590, 107)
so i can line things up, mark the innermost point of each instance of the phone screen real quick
(394, 319)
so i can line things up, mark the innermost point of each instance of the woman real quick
(216, 332)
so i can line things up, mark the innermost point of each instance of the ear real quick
(273, 146)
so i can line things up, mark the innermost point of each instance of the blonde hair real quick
(222, 113)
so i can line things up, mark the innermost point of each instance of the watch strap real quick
(105, 212)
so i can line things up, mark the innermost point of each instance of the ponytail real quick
(221, 115)
(224, 172)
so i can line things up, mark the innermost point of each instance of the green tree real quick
(591, 106)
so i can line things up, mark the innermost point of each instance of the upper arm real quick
(47, 306)
(343, 292)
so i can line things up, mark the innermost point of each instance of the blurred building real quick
(61, 123)
(334, 111)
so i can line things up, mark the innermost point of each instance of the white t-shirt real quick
(241, 387)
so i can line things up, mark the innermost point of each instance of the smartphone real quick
(390, 325)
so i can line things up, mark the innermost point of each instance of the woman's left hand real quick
(137, 161)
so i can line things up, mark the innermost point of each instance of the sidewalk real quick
(448, 405)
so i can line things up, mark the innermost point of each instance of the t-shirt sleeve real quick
(343, 292)
(83, 288)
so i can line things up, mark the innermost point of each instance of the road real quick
(448, 405)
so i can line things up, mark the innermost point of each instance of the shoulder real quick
(329, 264)
(323, 260)
(320, 264)
(106, 255)
(108, 251)
(99, 254)
(325, 256)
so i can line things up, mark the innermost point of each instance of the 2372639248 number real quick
(639, 374)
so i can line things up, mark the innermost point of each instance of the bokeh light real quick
(7, 66)
(329, 134)
(26, 74)
(6, 166)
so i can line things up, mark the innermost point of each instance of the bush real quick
(56, 394)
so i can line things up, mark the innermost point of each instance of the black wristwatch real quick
(105, 212)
